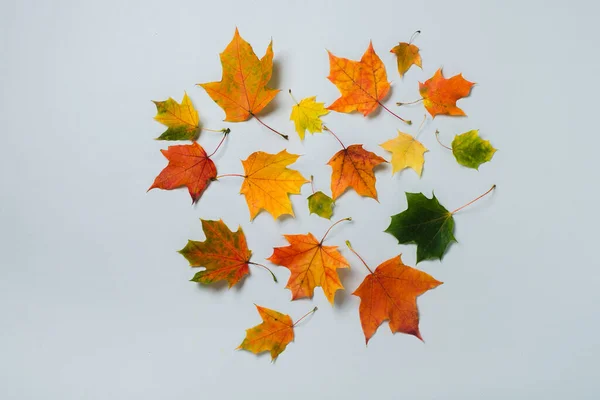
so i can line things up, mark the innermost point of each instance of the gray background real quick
(95, 302)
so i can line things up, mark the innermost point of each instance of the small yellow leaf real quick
(306, 115)
(407, 152)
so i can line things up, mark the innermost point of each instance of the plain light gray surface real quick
(94, 299)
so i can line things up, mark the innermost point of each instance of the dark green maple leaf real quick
(425, 222)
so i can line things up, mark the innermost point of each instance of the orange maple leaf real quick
(390, 293)
(242, 91)
(353, 167)
(440, 94)
(273, 334)
(190, 166)
(268, 182)
(311, 264)
(224, 254)
(363, 83)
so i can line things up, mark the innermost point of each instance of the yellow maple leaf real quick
(407, 152)
(306, 116)
(267, 183)
(181, 120)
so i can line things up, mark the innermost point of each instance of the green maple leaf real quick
(425, 222)
(472, 151)
(321, 204)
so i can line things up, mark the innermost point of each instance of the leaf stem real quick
(474, 200)
(357, 255)
(265, 267)
(225, 133)
(421, 126)
(341, 220)
(312, 184)
(305, 315)
(224, 130)
(399, 103)
(292, 96)
(268, 127)
(334, 135)
(437, 137)
(414, 35)
(407, 121)
(240, 175)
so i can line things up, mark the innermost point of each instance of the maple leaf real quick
(224, 254)
(407, 152)
(390, 293)
(190, 166)
(363, 84)
(307, 116)
(181, 120)
(311, 264)
(272, 335)
(353, 167)
(242, 91)
(321, 204)
(440, 94)
(428, 224)
(268, 182)
(472, 151)
(407, 55)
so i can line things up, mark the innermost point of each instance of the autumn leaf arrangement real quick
(389, 291)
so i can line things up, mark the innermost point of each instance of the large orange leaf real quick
(268, 182)
(363, 84)
(190, 166)
(242, 91)
(224, 254)
(390, 293)
(440, 94)
(311, 265)
(353, 167)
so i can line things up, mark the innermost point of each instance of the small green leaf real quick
(321, 204)
(472, 151)
(425, 222)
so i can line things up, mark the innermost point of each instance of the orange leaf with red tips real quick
(189, 166)
(390, 293)
(224, 254)
(353, 167)
(242, 91)
(363, 84)
(311, 265)
(440, 94)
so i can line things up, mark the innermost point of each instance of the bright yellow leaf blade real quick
(180, 119)
(407, 152)
(306, 116)
(268, 182)
(272, 335)
(407, 54)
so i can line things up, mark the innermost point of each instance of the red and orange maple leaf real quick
(440, 94)
(353, 167)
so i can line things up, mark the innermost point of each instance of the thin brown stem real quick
(304, 316)
(421, 126)
(474, 200)
(312, 184)
(268, 127)
(399, 103)
(341, 220)
(409, 122)
(224, 130)
(265, 267)
(437, 137)
(225, 133)
(414, 35)
(334, 135)
(357, 255)
(239, 175)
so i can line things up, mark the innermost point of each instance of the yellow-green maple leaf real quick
(181, 120)
(306, 116)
